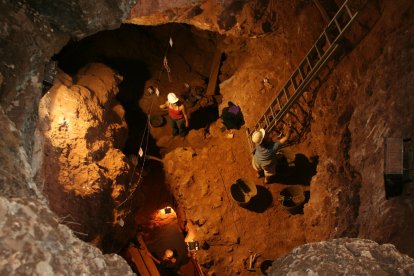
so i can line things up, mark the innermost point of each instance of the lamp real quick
(193, 246)
(167, 210)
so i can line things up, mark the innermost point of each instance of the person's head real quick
(258, 135)
(169, 254)
(172, 98)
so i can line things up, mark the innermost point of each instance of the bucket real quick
(157, 120)
(242, 191)
(293, 199)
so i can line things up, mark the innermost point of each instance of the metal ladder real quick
(319, 54)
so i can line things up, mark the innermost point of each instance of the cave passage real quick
(147, 61)
(171, 58)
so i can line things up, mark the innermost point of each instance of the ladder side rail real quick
(302, 88)
(339, 12)
(249, 140)
(325, 54)
(322, 35)
(339, 36)
(274, 102)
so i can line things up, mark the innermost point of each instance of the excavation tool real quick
(252, 260)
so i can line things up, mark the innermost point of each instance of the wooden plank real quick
(394, 156)
(212, 82)
(149, 262)
(138, 261)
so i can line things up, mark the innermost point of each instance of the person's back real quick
(264, 158)
(168, 268)
(266, 151)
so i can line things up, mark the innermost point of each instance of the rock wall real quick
(366, 99)
(35, 31)
(83, 130)
(349, 256)
(34, 242)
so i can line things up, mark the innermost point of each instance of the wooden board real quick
(212, 82)
(144, 263)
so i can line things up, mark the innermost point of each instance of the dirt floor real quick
(200, 169)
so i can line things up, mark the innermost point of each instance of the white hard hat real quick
(258, 136)
(169, 253)
(172, 98)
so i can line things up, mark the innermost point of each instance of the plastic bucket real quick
(242, 191)
(293, 199)
(157, 120)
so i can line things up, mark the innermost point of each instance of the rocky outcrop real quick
(15, 172)
(343, 256)
(34, 242)
(82, 128)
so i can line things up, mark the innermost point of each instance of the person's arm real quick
(284, 139)
(152, 257)
(185, 115)
(164, 106)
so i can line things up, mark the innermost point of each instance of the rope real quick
(145, 136)
(228, 199)
(238, 213)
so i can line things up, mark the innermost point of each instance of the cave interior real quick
(103, 156)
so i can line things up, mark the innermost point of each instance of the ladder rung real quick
(349, 12)
(295, 84)
(305, 68)
(314, 56)
(291, 93)
(279, 102)
(262, 123)
(327, 37)
(302, 74)
(337, 25)
(309, 63)
(289, 83)
(266, 119)
(320, 54)
(286, 95)
(273, 112)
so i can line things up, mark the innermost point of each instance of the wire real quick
(238, 213)
(228, 199)
(146, 137)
